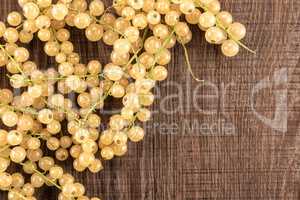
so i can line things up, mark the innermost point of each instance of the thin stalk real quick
(20, 26)
(218, 24)
(27, 80)
(47, 179)
(187, 59)
(145, 34)
(134, 57)
(231, 37)
(120, 33)
(44, 177)
(166, 41)
(56, 78)
(60, 109)
(33, 112)
(4, 148)
(12, 59)
(132, 122)
(93, 107)
(241, 44)
(54, 34)
(19, 194)
(107, 93)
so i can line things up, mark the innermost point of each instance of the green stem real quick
(126, 66)
(107, 93)
(243, 45)
(93, 107)
(132, 122)
(135, 56)
(120, 33)
(47, 179)
(12, 59)
(218, 24)
(33, 112)
(186, 54)
(232, 38)
(20, 26)
(56, 78)
(54, 34)
(166, 41)
(60, 109)
(44, 177)
(4, 148)
(19, 194)
(145, 34)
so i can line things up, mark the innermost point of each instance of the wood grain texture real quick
(177, 161)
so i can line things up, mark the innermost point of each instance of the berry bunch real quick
(141, 33)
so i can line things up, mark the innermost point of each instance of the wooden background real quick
(177, 160)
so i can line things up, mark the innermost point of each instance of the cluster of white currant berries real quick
(141, 33)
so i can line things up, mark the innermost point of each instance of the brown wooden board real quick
(214, 145)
